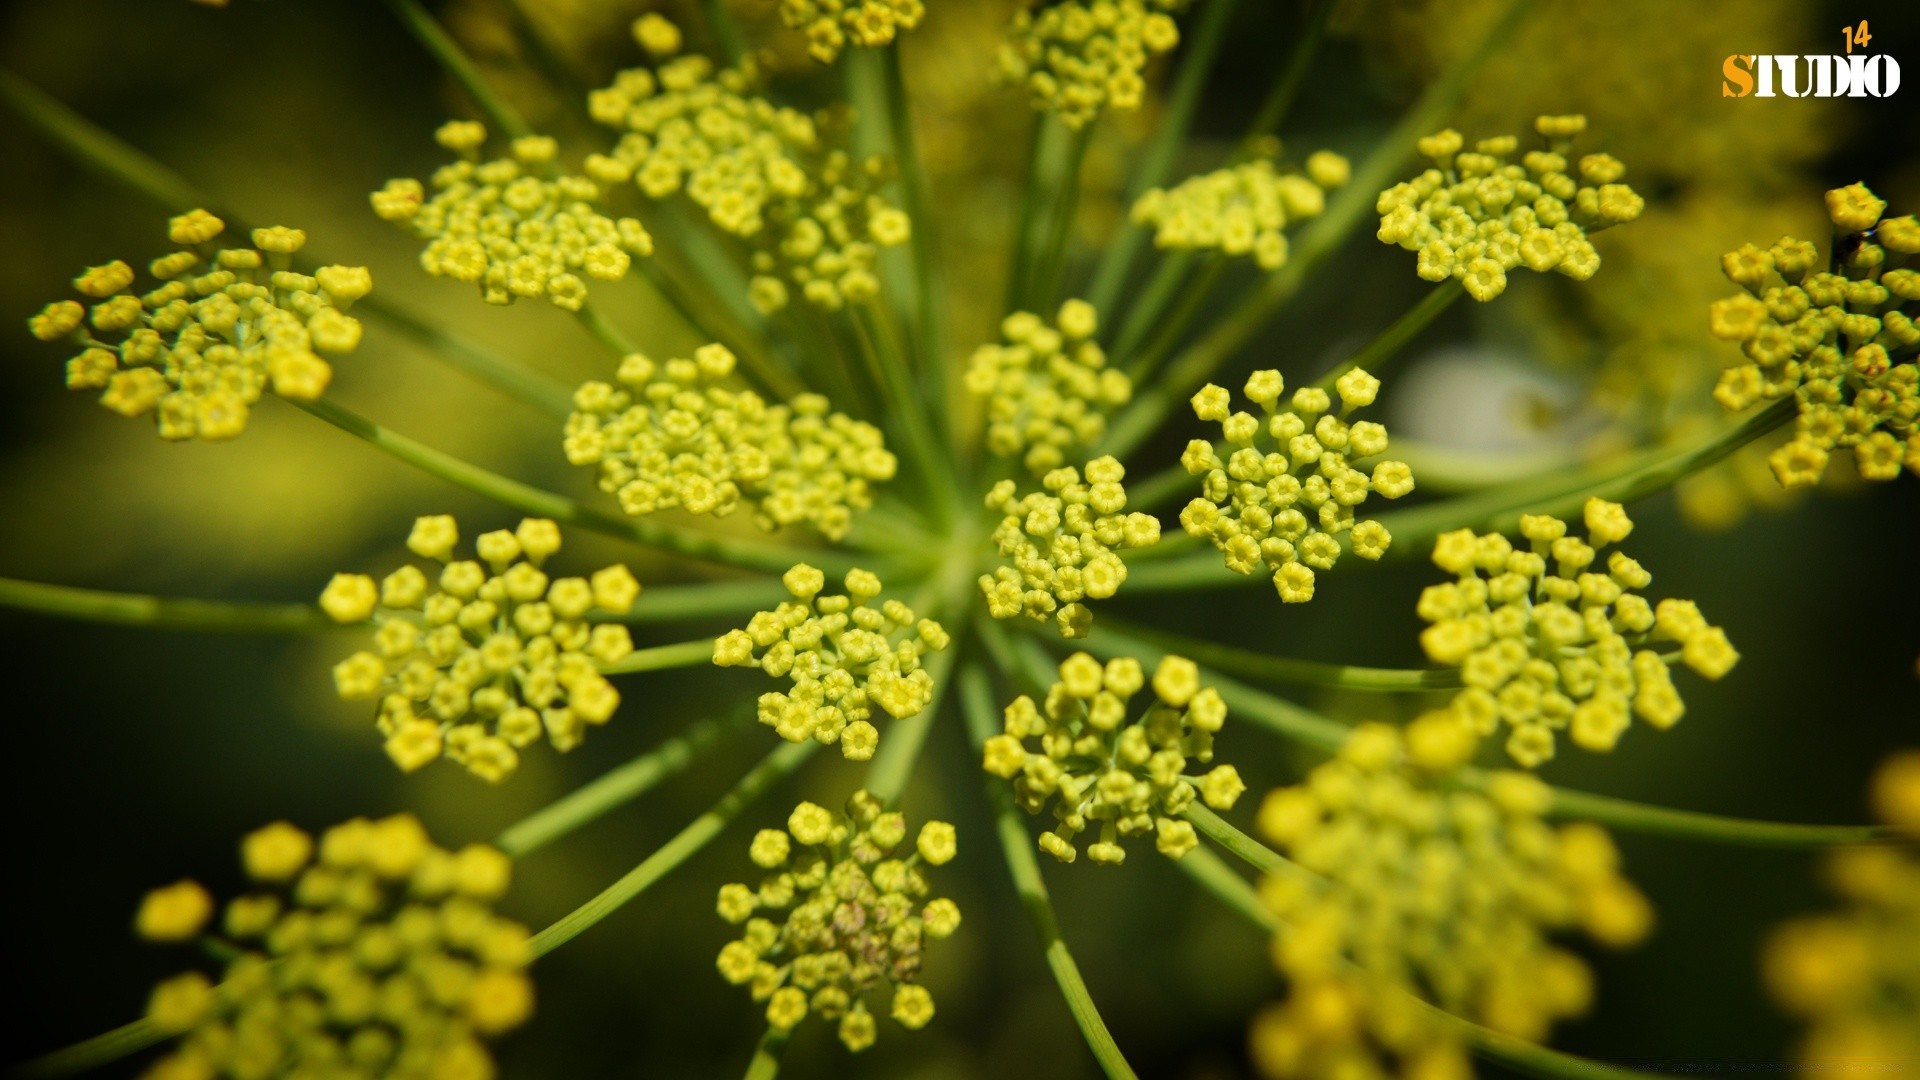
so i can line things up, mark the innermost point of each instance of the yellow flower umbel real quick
(509, 225)
(378, 954)
(838, 916)
(1288, 491)
(668, 436)
(761, 172)
(844, 658)
(1242, 210)
(485, 660)
(1475, 215)
(831, 25)
(1100, 770)
(1843, 341)
(1064, 544)
(1048, 388)
(1077, 57)
(223, 325)
(1854, 974)
(1421, 889)
(1547, 642)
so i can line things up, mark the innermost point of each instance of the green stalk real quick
(161, 612)
(1176, 119)
(92, 1053)
(1144, 309)
(1046, 131)
(977, 695)
(1316, 241)
(446, 52)
(1258, 665)
(527, 499)
(874, 331)
(614, 338)
(726, 33)
(1375, 356)
(662, 657)
(930, 324)
(765, 1064)
(1173, 325)
(1050, 261)
(616, 788)
(772, 768)
(1273, 109)
(1246, 848)
(544, 52)
(666, 603)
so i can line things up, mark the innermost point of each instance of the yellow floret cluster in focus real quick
(509, 225)
(844, 658)
(1289, 488)
(1078, 57)
(1048, 388)
(1410, 887)
(223, 325)
(371, 953)
(483, 660)
(1547, 642)
(832, 25)
(1843, 342)
(669, 436)
(1064, 545)
(1241, 210)
(1127, 778)
(1475, 215)
(838, 916)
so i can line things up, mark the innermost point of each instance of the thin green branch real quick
(1043, 286)
(1377, 353)
(908, 411)
(1259, 665)
(446, 52)
(662, 657)
(1273, 109)
(1173, 325)
(1046, 131)
(893, 763)
(666, 603)
(92, 1053)
(726, 33)
(1246, 848)
(1143, 310)
(616, 788)
(765, 1064)
(977, 696)
(531, 500)
(161, 612)
(773, 768)
(930, 323)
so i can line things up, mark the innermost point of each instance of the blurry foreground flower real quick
(1241, 210)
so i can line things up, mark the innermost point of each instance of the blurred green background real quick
(137, 757)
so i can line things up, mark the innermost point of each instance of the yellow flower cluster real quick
(1420, 889)
(1064, 544)
(1077, 57)
(831, 25)
(1286, 506)
(1048, 388)
(669, 437)
(838, 916)
(843, 657)
(373, 953)
(1545, 642)
(510, 227)
(1852, 974)
(222, 326)
(1242, 210)
(1475, 215)
(487, 659)
(1842, 342)
(1100, 770)
(761, 172)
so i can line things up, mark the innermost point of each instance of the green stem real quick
(1246, 848)
(1144, 309)
(446, 52)
(532, 500)
(546, 55)
(1046, 131)
(977, 695)
(92, 1053)
(161, 612)
(1258, 665)
(1173, 324)
(726, 33)
(662, 657)
(1273, 109)
(1176, 119)
(1050, 261)
(622, 785)
(765, 1064)
(1315, 243)
(666, 603)
(614, 338)
(773, 768)
(930, 324)
(874, 331)
(1375, 356)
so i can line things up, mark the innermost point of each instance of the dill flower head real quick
(1289, 488)
(483, 660)
(761, 172)
(1843, 340)
(832, 25)
(1064, 545)
(838, 916)
(670, 436)
(370, 953)
(1077, 57)
(1850, 974)
(510, 225)
(1242, 210)
(1475, 214)
(1048, 387)
(1546, 642)
(1422, 889)
(844, 657)
(223, 325)
(1100, 770)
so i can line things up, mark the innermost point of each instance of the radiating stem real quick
(665, 603)
(874, 331)
(765, 1064)
(1043, 288)
(1046, 131)
(1374, 356)
(1143, 311)
(531, 500)
(773, 768)
(977, 697)
(930, 325)
(446, 52)
(1173, 324)
(161, 612)
(92, 1053)
(1258, 665)
(614, 338)
(662, 657)
(1273, 109)
(726, 33)
(616, 788)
